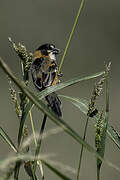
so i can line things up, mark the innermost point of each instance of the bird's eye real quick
(44, 52)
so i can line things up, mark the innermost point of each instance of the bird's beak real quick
(56, 51)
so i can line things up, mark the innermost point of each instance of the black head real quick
(47, 49)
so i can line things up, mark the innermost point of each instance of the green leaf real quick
(70, 82)
(82, 105)
(7, 139)
(49, 90)
(62, 176)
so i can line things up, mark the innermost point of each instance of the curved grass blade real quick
(70, 82)
(7, 139)
(82, 105)
(49, 90)
(58, 173)
(52, 116)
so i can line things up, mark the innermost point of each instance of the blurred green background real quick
(96, 40)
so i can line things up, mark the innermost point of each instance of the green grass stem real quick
(81, 153)
(33, 129)
(71, 34)
(35, 141)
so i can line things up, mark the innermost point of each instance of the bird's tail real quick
(54, 103)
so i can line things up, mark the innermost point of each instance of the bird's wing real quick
(44, 73)
(37, 73)
(49, 78)
(49, 73)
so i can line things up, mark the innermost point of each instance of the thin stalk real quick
(39, 142)
(107, 98)
(71, 34)
(35, 141)
(34, 177)
(22, 105)
(81, 153)
(33, 129)
(98, 174)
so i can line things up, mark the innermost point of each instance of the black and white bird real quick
(44, 71)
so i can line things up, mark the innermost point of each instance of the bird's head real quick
(49, 50)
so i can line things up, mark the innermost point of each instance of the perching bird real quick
(44, 71)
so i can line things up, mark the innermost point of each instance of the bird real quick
(44, 70)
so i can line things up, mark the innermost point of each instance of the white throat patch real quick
(52, 56)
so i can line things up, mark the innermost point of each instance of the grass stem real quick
(81, 153)
(33, 129)
(39, 142)
(71, 34)
(35, 141)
